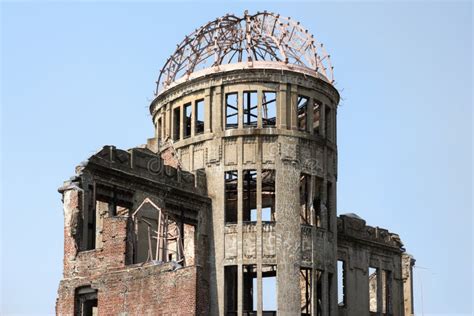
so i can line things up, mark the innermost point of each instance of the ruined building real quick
(230, 209)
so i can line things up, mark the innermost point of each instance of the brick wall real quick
(138, 290)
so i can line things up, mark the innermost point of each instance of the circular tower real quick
(250, 100)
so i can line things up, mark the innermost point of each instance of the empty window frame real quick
(306, 209)
(199, 111)
(249, 203)
(269, 290)
(90, 220)
(317, 206)
(250, 109)
(188, 118)
(306, 290)
(302, 108)
(268, 195)
(176, 123)
(341, 283)
(85, 302)
(373, 289)
(269, 109)
(316, 117)
(230, 290)
(230, 203)
(387, 292)
(158, 128)
(249, 291)
(231, 110)
(328, 123)
(159, 236)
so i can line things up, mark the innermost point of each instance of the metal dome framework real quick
(264, 36)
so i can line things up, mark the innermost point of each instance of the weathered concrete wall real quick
(362, 247)
(283, 148)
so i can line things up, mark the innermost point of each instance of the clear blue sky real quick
(75, 77)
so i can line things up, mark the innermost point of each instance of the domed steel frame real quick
(264, 36)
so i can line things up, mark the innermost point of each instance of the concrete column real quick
(282, 119)
(293, 107)
(218, 108)
(207, 111)
(288, 242)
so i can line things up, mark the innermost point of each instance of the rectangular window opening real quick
(302, 106)
(341, 282)
(231, 110)
(269, 109)
(306, 289)
(269, 290)
(188, 117)
(90, 220)
(318, 208)
(230, 207)
(176, 123)
(373, 303)
(230, 290)
(86, 302)
(268, 195)
(199, 110)
(158, 128)
(306, 209)
(250, 110)
(249, 293)
(328, 123)
(387, 292)
(316, 117)
(249, 195)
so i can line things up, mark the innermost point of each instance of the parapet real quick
(351, 226)
(139, 164)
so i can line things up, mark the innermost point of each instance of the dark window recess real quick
(249, 195)
(306, 209)
(316, 117)
(158, 128)
(231, 180)
(176, 123)
(85, 302)
(231, 110)
(230, 290)
(250, 109)
(328, 123)
(268, 195)
(329, 206)
(302, 112)
(199, 123)
(249, 290)
(306, 287)
(188, 117)
(90, 220)
(269, 109)
(318, 187)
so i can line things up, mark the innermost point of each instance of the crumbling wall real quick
(373, 269)
(146, 290)
(108, 191)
